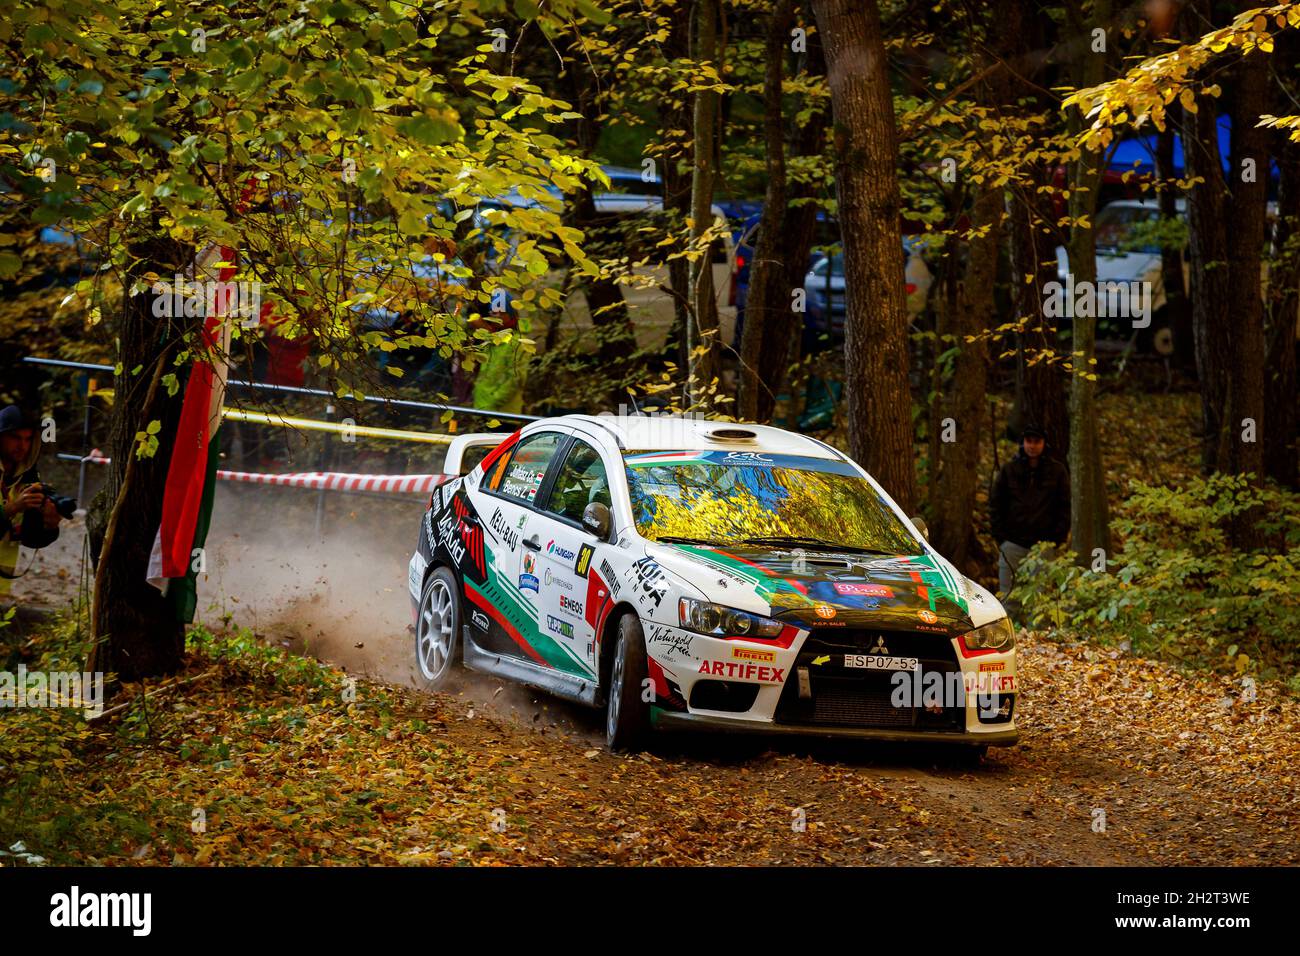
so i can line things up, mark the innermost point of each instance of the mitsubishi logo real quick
(880, 647)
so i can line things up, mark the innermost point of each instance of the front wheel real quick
(627, 712)
(437, 628)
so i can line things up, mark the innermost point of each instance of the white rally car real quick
(706, 575)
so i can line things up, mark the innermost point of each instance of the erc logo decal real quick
(581, 566)
(751, 672)
(750, 654)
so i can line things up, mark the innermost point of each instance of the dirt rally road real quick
(1122, 761)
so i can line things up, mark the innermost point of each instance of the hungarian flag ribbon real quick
(191, 473)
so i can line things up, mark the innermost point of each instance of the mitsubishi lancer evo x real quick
(706, 575)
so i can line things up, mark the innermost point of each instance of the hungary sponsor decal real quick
(559, 550)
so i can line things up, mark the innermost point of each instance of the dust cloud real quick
(341, 595)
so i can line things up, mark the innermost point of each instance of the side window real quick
(580, 481)
(529, 464)
(472, 456)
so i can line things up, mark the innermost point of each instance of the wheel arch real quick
(608, 636)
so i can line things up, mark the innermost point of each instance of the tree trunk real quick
(767, 318)
(866, 182)
(1178, 310)
(675, 116)
(1040, 384)
(962, 409)
(1281, 461)
(610, 319)
(952, 498)
(702, 329)
(799, 234)
(139, 635)
(1244, 449)
(1089, 514)
(1207, 212)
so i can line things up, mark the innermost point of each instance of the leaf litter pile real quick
(258, 757)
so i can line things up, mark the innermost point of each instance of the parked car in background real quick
(1129, 254)
(824, 282)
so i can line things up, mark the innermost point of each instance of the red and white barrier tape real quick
(337, 481)
(327, 480)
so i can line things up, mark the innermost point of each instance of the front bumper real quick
(672, 720)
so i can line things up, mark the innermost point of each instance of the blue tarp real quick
(1138, 153)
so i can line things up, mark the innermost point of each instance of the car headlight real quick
(999, 635)
(706, 618)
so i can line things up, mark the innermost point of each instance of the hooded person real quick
(28, 517)
(1030, 503)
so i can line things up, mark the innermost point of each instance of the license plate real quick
(879, 662)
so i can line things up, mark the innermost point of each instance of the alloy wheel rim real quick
(437, 629)
(615, 691)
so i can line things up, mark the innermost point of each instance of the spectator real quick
(24, 499)
(1031, 503)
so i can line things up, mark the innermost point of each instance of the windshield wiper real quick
(814, 543)
(680, 539)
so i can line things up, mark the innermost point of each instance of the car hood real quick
(818, 589)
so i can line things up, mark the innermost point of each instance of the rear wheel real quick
(627, 713)
(437, 628)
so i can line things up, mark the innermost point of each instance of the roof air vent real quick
(732, 434)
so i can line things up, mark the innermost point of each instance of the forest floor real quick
(264, 755)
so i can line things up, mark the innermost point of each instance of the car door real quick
(568, 609)
(503, 611)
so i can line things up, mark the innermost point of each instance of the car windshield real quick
(734, 498)
(1116, 228)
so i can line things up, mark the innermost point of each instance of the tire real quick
(627, 715)
(437, 629)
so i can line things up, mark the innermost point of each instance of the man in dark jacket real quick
(1031, 503)
(24, 501)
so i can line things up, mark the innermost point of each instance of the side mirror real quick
(921, 526)
(596, 519)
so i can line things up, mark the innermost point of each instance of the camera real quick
(63, 504)
(33, 524)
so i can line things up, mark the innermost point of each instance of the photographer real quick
(29, 517)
